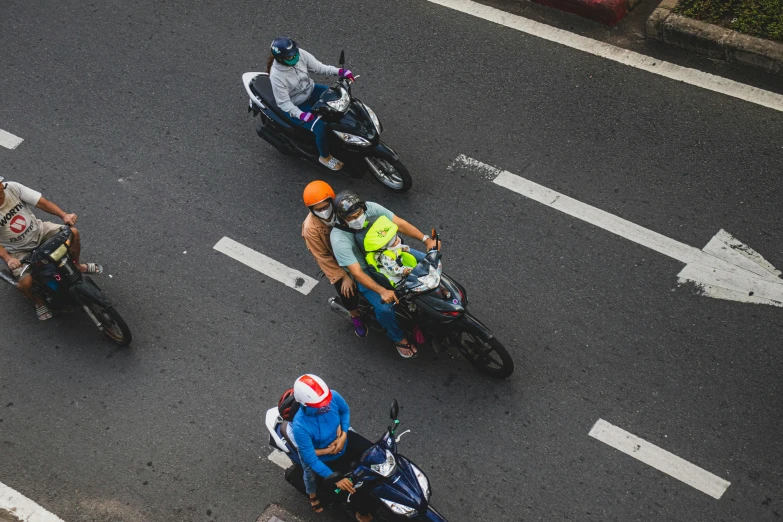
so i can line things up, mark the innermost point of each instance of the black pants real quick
(350, 303)
(356, 445)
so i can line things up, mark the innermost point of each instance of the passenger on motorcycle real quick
(318, 197)
(322, 411)
(21, 233)
(354, 215)
(386, 252)
(296, 93)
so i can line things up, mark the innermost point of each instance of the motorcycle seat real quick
(262, 87)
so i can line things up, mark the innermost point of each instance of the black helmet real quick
(347, 202)
(285, 50)
(287, 406)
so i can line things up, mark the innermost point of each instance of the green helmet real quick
(379, 234)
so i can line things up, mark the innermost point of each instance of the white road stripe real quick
(8, 140)
(280, 458)
(659, 459)
(617, 54)
(23, 508)
(266, 265)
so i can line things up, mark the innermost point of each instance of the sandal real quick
(93, 268)
(316, 504)
(333, 163)
(406, 346)
(43, 312)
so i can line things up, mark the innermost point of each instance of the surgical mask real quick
(324, 214)
(358, 223)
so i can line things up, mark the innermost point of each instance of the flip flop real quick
(93, 268)
(332, 164)
(43, 312)
(406, 346)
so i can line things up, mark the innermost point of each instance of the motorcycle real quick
(353, 130)
(401, 489)
(437, 304)
(59, 282)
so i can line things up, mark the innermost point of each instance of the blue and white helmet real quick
(285, 50)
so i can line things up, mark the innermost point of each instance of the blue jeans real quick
(318, 126)
(309, 478)
(384, 312)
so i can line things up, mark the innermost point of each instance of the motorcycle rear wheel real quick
(114, 327)
(392, 174)
(485, 353)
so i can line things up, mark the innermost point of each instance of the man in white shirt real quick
(21, 233)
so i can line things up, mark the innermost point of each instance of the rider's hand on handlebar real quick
(70, 219)
(13, 263)
(431, 243)
(306, 117)
(345, 485)
(388, 296)
(346, 73)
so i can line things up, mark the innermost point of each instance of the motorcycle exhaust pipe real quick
(339, 309)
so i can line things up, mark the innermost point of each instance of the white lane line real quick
(659, 459)
(280, 458)
(617, 54)
(8, 140)
(725, 263)
(266, 265)
(23, 508)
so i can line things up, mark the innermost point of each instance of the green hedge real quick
(763, 18)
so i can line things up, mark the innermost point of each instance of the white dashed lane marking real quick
(23, 508)
(659, 459)
(8, 140)
(280, 458)
(266, 265)
(618, 54)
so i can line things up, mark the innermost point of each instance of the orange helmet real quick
(317, 191)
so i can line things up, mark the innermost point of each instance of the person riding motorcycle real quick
(21, 233)
(322, 413)
(318, 197)
(354, 215)
(296, 93)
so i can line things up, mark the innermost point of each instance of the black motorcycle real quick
(353, 130)
(60, 283)
(437, 304)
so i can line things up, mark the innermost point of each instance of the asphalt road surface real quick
(133, 116)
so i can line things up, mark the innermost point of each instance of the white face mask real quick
(324, 214)
(358, 223)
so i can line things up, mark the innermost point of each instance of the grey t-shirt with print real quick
(20, 230)
(343, 243)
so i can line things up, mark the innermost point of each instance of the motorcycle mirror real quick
(395, 410)
(342, 59)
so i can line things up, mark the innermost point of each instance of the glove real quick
(306, 117)
(346, 73)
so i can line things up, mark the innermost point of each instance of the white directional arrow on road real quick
(724, 269)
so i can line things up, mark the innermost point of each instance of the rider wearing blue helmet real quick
(296, 93)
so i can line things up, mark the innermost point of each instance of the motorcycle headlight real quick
(59, 253)
(342, 104)
(352, 139)
(423, 482)
(374, 118)
(399, 508)
(386, 468)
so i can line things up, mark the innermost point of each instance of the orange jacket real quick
(316, 236)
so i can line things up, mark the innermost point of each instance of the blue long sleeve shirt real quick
(313, 430)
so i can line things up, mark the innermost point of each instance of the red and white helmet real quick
(312, 391)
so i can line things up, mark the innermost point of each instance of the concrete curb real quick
(608, 12)
(713, 40)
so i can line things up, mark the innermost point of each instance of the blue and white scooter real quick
(401, 488)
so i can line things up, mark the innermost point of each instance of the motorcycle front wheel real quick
(392, 174)
(114, 327)
(485, 353)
